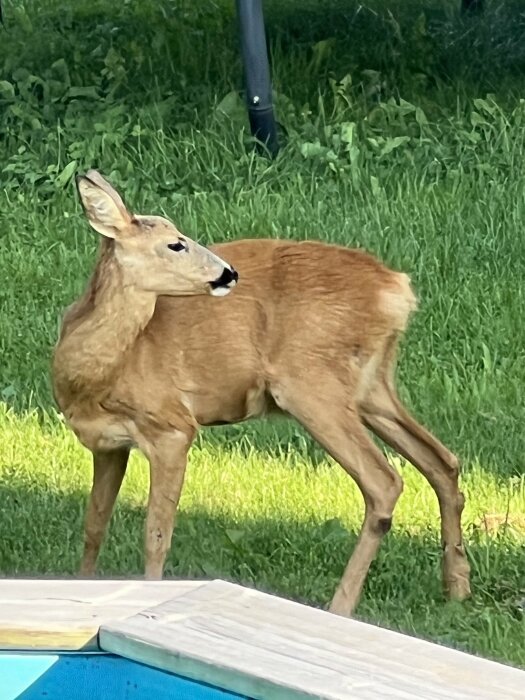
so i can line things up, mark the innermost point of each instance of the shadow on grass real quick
(41, 535)
(421, 38)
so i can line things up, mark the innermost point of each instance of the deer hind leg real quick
(337, 427)
(167, 456)
(108, 472)
(384, 414)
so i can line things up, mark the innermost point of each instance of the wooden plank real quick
(66, 614)
(269, 648)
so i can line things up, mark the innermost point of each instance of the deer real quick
(170, 336)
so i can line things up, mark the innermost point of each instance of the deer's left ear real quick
(104, 208)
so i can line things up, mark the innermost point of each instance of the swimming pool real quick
(40, 676)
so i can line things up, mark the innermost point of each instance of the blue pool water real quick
(92, 676)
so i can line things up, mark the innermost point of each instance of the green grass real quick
(274, 521)
(403, 129)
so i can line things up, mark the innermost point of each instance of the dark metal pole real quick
(257, 73)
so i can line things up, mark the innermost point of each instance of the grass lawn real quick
(403, 129)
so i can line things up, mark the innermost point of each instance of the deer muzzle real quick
(224, 283)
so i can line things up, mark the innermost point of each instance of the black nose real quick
(228, 276)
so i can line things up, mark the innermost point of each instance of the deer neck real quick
(101, 328)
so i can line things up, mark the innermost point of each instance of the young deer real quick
(311, 331)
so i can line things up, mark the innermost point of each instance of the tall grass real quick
(403, 133)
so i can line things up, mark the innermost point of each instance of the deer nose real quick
(226, 278)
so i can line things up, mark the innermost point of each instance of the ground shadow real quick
(418, 36)
(41, 535)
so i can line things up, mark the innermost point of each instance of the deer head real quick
(153, 255)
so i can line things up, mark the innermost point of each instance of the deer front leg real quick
(108, 472)
(167, 457)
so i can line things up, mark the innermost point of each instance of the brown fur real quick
(310, 330)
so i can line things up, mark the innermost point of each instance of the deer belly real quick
(231, 407)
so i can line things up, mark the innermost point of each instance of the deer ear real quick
(104, 208)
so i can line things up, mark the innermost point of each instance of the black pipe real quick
(257, 73)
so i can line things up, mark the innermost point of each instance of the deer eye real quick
(177, 247)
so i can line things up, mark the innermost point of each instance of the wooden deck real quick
(66, 615)
(244, 641)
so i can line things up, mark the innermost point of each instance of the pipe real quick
(257, 73)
